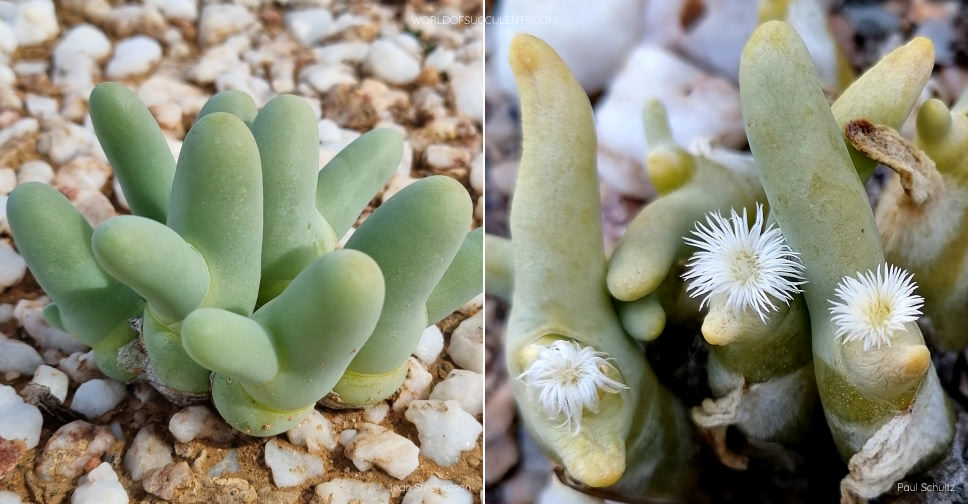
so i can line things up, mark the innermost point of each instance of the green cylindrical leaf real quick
(154, 261)
(463, 279)
(233, 102)
(320, 323)
(294, 232)
(55, 241)
(136, 148)
(216, 206)
(413, 236)
(230, 344)
(350, 180)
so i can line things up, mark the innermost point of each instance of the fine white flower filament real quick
(752, 266)
(568, 378)
(875, 305)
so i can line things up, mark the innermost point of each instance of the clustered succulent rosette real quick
(802, 293)
(228, 276)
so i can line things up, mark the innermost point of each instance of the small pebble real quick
(97, 397)
(166, 480)
(8, 180)
(83, 40)
(80, 366)
(18, 129)
(100, 486)
(19, 420)
(445, 157)
(430, 345)
(220, 21)
(35, 22)
(315, 433)
(41, 106)
(376, 413)
(438, 491)
(134, 56)
(290, 467)
(71, 449)
(17, 358)
(29, 315)
(444, 428)
(147, 452)
(176, 9)
(467, 84)
(415, 386)
(309, 26)
(228, 464)
(35, 171)
(8, 497)
(54, 379)
(12, 266)
(198, 422)
(351, 491)
(465, 387)
(374, 445)
(342, 52)
(388, 61)
(467, 343)
(477, 173)
(323, 77)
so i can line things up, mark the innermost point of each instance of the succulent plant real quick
(799, 299)
(880, 394)
(230, 260)
(586, 392)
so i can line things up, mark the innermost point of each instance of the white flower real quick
(751, 266)
(875, 305)
(568, 377)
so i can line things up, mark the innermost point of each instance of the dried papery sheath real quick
(752, 266)
(568, 378)
(875, 305)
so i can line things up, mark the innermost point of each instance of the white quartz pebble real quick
(17, 358)
(415, 386)
(198, 422)
(444, 428)
(351, 491)
(309, 26)
(315, 433)
(54, 379)
(388, 61)
(465, 387)
(438, 491)
(376, 413)
(12, 266)
(290, 467)
(430, 345)
(374, 445)
(29, 315)
(35, 171)
(97, 397)
(467, 343)
(19, 420)
(220, 21)
(35, 22)
(134, 56)
(100, 486)
(148, 452)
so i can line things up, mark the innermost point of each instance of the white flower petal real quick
(751, 266)
(875, 305)
(568, 378)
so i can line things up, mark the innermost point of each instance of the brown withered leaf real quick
(918, 175)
